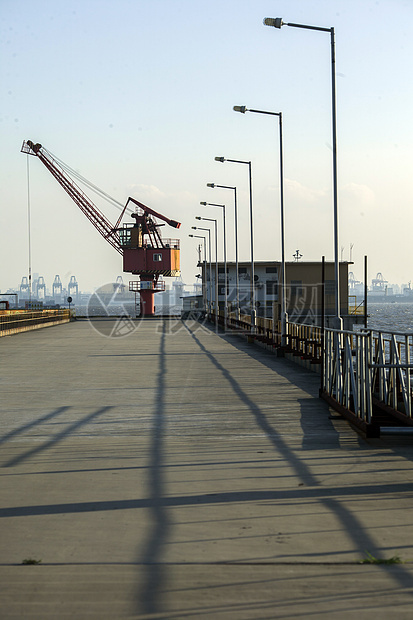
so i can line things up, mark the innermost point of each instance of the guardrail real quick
(346, 379)
(304, 341)
(365, 375)
(263, 331)
(354, 307)
(16, 321)
(391, 370)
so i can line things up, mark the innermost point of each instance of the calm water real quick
(395, 317)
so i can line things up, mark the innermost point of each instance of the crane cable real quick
(73, 173)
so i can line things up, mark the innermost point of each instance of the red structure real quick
(144, 251)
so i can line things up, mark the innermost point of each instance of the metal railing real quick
(263, 332)
(347, 371)
(391, 369)
(305, 341)
(354, 307)
(301, 339)
(16, 321)
(366, 375)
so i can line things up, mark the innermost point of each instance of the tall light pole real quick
(210, 263)
(243, 109)
(248, 163)
(205, 260)
(236, 241)
(212, 204)
(277, 22)
(208, 219)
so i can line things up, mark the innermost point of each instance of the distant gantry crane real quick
(24, 288)
(40, 286)
(57, 287)
(144, 251)
(352, 282)
(378, 283)
(73, 286)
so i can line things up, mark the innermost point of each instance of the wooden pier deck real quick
(178, 473)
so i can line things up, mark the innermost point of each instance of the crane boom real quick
(150, 211)
(94, 215)
(144, 251)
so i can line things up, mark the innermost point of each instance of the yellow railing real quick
(305, 340)
(16, 321)
(300, 339)
(354, 307)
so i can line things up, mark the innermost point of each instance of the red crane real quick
(144, 251)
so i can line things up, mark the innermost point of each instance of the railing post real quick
(408, 375)
(323, 382)
(368, 376)
(338, 364)
(328, 364)
(364, 372)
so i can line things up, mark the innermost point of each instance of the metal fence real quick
(305, 341)
(391, 370)
(366, 375)
(347, 371)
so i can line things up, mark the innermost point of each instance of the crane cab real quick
(140, 255)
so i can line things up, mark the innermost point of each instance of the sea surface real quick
(392, 317)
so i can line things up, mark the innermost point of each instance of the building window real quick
(271, 287)
(242, 270)
(271, 270)
(157, 258)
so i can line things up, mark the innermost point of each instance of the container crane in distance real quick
(144, 251)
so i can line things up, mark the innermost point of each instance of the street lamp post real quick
(236, 242)
(253, 312)
(277, 23)
(212, 204)
(205, 260)
(208, 219)
(243, 109)
(210, 263)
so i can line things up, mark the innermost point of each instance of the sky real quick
(137, 96)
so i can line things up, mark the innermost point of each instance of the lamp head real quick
(193, 227)
(240, 108)
(191, 235)
(210, 184)
(203, 203)
(198, 217)
(219, 158)
(276, 22)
